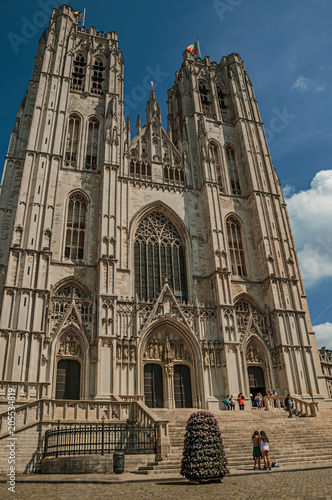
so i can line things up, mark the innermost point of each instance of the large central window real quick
(159, 253)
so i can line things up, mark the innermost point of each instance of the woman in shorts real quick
(265, 450)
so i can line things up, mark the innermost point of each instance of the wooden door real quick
(68, 379)
(182, 387)
(153, 386)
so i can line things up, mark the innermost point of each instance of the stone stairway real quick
(295, 441)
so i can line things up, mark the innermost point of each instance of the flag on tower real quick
(79, 15)
(193, 48)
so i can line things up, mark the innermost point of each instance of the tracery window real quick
(159, 252)
(98, 76)
(91, 159)
(204, 95)
(173, 173)
(72, 143)
(78, 74)
(221, 98)
(232, 169)
(217, 163)
(140, 169)
(236, 251)
(76, 226)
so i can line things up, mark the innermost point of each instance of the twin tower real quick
(160, 266)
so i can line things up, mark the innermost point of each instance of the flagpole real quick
(199, 49)
(83, 21)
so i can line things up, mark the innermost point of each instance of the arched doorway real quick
(168, 373)
(256, 380)
(153, 386)
(182, 387)
(68, 379)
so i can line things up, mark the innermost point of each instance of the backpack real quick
(226, 402)
(290, 403)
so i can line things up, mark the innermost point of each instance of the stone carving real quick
(168, 348)
(126, 351)
(253, 355)
(70, 345)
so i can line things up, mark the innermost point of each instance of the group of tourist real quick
(261, 449)
(229, 402)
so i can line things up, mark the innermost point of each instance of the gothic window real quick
(215, 154)
(78, 74)
(144, 147)
(159, 252)
(232, 169)
(73, 133)
(235, 245)
(140, 169)
(76, 225)
(204, 95)
(91, 160)
(98, 76)
(221, 98)
(173, 174)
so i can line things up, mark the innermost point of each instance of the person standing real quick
(265, 450)
(226, 402)
(289, 405)
(258, 401)
(241, 402)
(232, 402)
(256, 450)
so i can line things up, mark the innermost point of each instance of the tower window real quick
(204, 95)
(215, 155)
(232, 169)
(78, 74)
(159, 252)
(235, 246)
(76, 224)
(221, 98)
(98, 76)
(91, 160)
(71, 154)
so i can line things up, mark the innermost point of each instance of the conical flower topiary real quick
(203, 454)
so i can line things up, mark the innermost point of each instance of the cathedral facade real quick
(160, 267)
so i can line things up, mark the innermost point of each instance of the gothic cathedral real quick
(160, 268)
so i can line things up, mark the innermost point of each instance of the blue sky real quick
(286, 47)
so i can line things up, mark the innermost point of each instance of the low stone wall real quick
(88, 464)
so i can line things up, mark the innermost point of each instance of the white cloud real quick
(324, 335)
(303, 84)
(288, 190)
(310, 213)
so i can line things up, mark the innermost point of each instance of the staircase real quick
(293, 441)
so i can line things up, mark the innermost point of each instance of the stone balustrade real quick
(24, 391)
(300, 408)
(50, 411)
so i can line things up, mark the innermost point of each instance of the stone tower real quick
(161, 267)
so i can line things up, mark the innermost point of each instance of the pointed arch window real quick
(159, 252)
(232, 169)
(72, 143)
(235, 245)
(205, 97)
(76, 226)
(221, 98)
(92, 147)
(98, 76)
(215, 154)
(79, 70)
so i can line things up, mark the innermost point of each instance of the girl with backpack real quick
(265, 450)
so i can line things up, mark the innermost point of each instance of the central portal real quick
(256, 380)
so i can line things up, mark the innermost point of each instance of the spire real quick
(152, 109)
(138, 125)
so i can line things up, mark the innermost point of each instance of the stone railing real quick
(50, 411)
(300, 408)
(24, 391)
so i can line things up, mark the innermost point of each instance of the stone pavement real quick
(296, 484)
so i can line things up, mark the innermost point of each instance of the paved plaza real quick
(295, 485)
